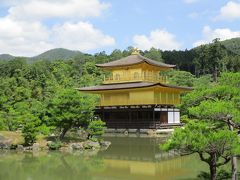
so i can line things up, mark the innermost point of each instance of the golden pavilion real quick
(136, 96)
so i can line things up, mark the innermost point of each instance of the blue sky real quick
(29, 27)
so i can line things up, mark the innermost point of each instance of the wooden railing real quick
(121, 79)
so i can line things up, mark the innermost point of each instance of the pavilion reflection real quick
(141, 158)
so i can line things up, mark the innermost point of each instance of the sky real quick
(30, 27)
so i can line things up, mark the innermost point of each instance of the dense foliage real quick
(41, 97)
(194, 60)
(69, 109)
(233, 45)
(212, 114)
(96, 128)
(215, 147)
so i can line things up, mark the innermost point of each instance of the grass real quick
(16, 137)
(42, 140)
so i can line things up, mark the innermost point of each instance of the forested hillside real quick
(50, 55)
(232, 45)
(195, 60)
(6, 57)
(32, 93)
(56, 54)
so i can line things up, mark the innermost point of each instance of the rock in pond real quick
(77, 146)
(91, 145)
(36, 147)
(28, 148)
(105, 144)
(5, 143)
(67, 149)
(20, 148)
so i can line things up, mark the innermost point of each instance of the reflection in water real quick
(136, 149)
(141, 158)
(127, 158)
(52, 166)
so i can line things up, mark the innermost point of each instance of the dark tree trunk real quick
(212, 162)
(234, 168)
(213, 166)
(213, 172)
(215, 74)
(62, 134)
(234, 158)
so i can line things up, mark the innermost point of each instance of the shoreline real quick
(13, 141)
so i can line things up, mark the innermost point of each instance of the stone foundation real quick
(135, 132)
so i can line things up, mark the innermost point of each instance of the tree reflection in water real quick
(132, 158)
(52, 166)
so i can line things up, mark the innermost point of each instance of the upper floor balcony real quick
(134, 78)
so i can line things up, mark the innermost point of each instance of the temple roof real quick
(120, 86)
(133, 60)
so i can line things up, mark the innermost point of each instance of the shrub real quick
(96, 129)
(54, 145)
(30, 128)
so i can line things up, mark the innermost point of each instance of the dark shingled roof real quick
(134, 59)
(104, 87)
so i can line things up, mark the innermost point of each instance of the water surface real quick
(128, 158)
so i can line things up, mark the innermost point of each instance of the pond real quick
(128, 158)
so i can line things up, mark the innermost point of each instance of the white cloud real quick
(82, 36)
(210, 34)
(229, 11)
(23, 38)
(26, 39)
(190, 1)
(40, 9)
(23, 32)
(159, 38)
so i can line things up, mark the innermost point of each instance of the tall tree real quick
(209, 59)
(219, 104)
(154, 54)
(215, 147)
(70, 108)
(216, 53)
(116, 54)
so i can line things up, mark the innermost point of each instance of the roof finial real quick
(135, 51)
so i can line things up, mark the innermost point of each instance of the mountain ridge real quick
(57, 53)
(51, 55)
(232, 45)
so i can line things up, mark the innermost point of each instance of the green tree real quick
(180, 78)
(154, 54)
(101, 57)
(219, 104)
(215, 147)
(128, 51)
(70, 108)
(209, 59)
(96, 128)
(116, 54)
(216, 53)
(30, 127)
(9, 119)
